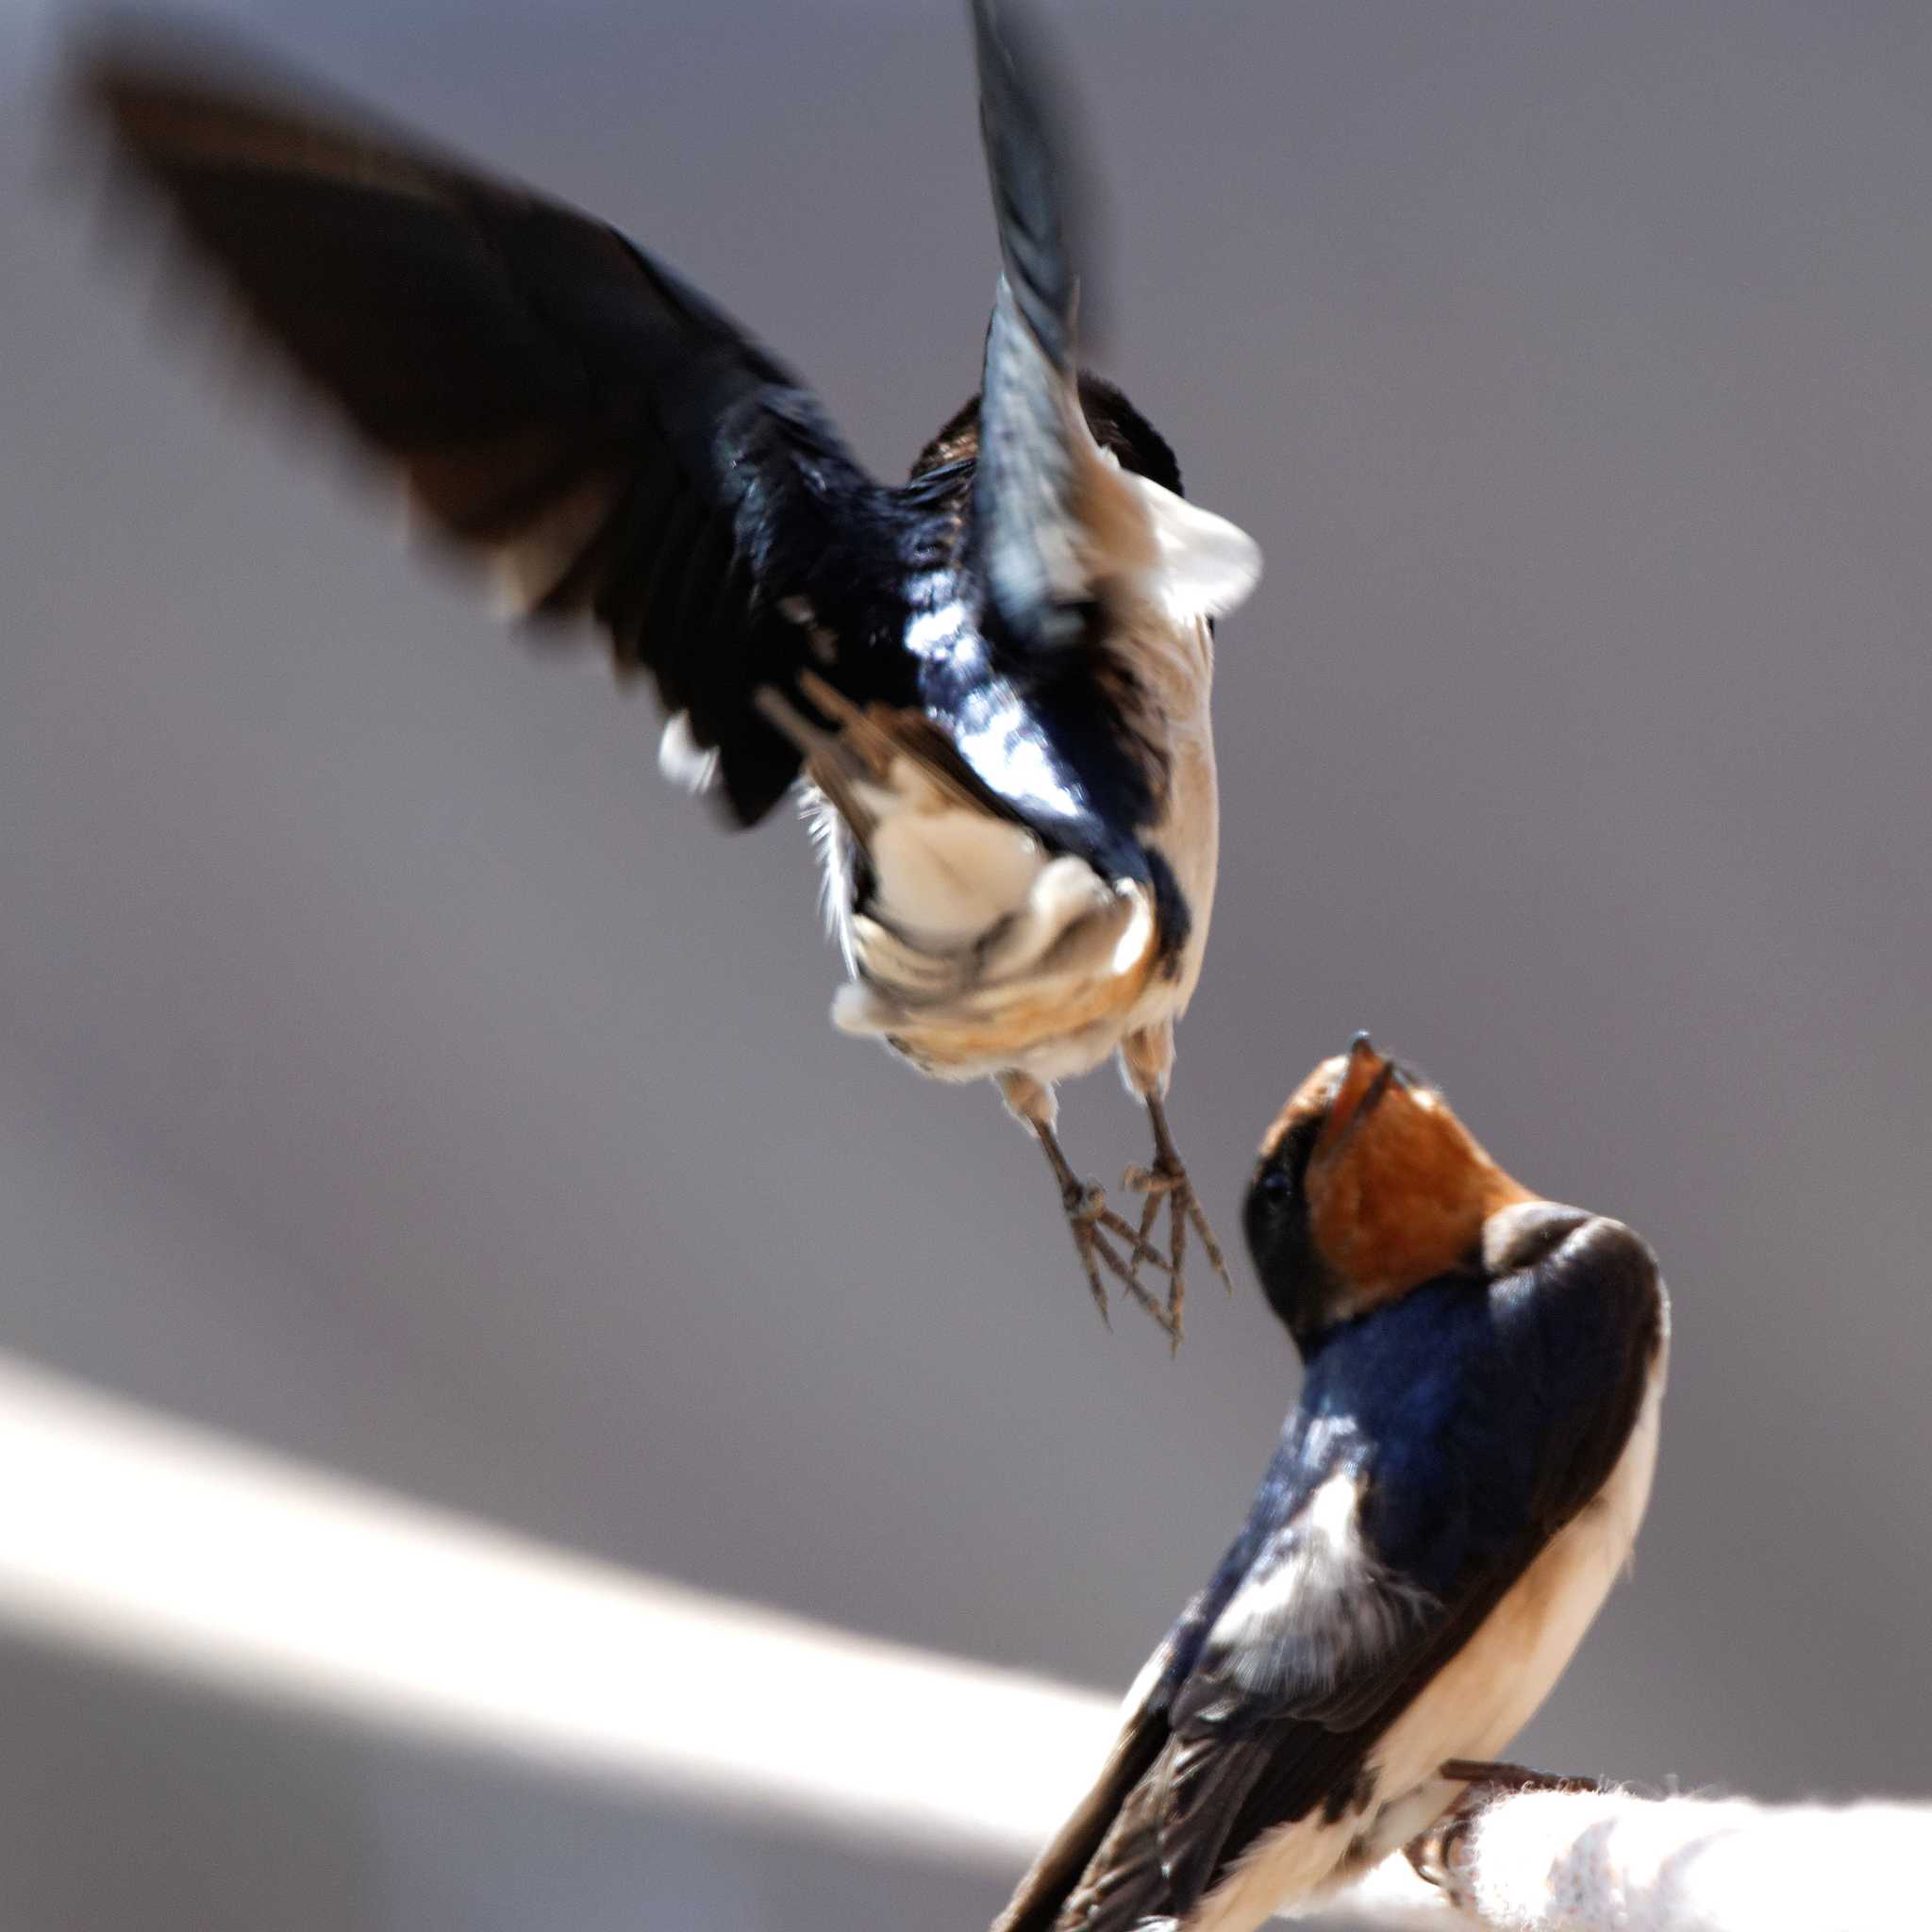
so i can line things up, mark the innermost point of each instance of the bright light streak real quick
(143, 1537)
(131, 1534)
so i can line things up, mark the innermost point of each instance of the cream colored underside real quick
(995, 961)
(1473, 1707)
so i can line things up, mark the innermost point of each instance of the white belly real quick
(1473, 1706)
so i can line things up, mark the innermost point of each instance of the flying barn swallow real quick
(1453, 1495)
(991, 682)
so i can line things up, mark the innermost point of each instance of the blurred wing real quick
(1055, 522)
(1044, 507)
(1316, 1636)
(556, 403)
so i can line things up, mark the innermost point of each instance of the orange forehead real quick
(1311, 1099)
(1398, 1187)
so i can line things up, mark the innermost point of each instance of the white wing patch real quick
(682, 759)
(1324, 1601)
(1185, 559)
(1204, 566)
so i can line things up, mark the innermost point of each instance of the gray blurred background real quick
(394, 1071)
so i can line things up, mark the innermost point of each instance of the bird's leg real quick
(1088, 1214)
(1433, 1854)
(1167, 1179)
(1090, 1220)
(1147, 1058)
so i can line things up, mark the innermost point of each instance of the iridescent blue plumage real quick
(1450, 1498)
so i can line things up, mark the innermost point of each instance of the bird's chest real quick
(1491, 1688)
(1471, 1709)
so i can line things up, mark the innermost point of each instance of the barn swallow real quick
(1454, 1493)
(989, 684)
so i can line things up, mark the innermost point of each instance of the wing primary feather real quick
(1027, 174)
(1051, 521)
(552, 397)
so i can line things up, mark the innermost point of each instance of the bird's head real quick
(1116, 423)
(1367, 1186)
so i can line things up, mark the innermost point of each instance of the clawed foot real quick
(1167, 1181)
(1090, 1220)
(1434, 1854)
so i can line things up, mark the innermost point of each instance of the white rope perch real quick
(1548, 1861)
(136, 1536)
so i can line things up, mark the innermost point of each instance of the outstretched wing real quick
(555, 401)
(1055, 523)
(1396, 1516)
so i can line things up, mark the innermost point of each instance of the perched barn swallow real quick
(991, 681)
(1451, 1498)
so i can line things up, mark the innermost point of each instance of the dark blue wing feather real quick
(545, 388)
(1026, 528)
(549, 392)
(1480, 1417)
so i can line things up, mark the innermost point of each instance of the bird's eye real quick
(1277, 1184)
